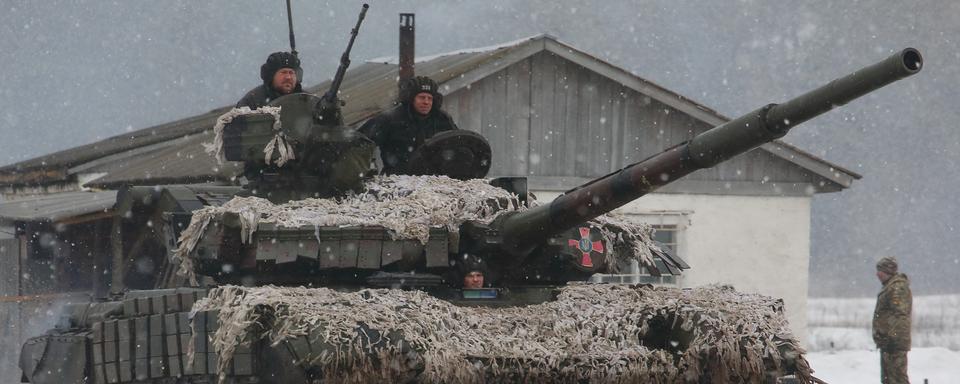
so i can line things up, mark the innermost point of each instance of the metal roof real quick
(57, 206)
(185, 162)
(172, 152)
(118, 143)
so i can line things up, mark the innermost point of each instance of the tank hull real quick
(303, 335)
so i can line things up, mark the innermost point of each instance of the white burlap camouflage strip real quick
(279, 143)
(591, 333)
(408, 206)
(626, 240)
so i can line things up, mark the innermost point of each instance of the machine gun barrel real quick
(331, 94)
(523, 231)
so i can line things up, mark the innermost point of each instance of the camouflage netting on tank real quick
(408, 206)
(595, 333)
(628, 240)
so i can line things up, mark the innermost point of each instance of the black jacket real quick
(399, 131)
(262, 95)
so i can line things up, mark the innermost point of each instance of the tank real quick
(232, 308)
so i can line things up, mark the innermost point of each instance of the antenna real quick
(293, 43)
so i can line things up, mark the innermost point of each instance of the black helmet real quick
(278, 60)
(470, 263)
(463, 265)
(409, 89)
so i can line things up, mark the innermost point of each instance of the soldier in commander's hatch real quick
(401, 130)
(281, 75)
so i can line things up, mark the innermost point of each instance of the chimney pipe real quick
(406, 45)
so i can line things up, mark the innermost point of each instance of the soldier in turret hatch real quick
(281, 75)
(401, 130)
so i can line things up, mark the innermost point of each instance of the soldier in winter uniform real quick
(281, 75)
(404, 128)
(891, 322)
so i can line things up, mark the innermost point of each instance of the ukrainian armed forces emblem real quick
(586, 246)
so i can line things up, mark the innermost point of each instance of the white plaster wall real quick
(757, 244)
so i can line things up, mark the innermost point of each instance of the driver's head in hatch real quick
(472, 269)
(473, 280)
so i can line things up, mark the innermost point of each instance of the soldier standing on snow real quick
(401, 130)
(281, 75)
(891, 322)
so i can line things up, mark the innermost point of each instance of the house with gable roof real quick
(551, 112)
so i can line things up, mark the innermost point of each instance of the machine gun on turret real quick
(328, 109)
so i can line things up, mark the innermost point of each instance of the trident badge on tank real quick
(586, 246)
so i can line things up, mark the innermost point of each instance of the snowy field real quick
(935, 365)
(844, 324)
(842, 350)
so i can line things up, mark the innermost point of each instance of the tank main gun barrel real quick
(523, 231)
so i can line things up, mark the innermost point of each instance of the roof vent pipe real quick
(406, 45)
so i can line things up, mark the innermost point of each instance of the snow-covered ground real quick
(842, 351)
(936, 365)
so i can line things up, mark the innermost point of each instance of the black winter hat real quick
(414, 85)
(278, 60)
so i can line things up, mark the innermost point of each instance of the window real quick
(668, 228)
(666, 234)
